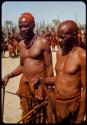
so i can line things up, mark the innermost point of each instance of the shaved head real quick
(68, 27)
(67, 35)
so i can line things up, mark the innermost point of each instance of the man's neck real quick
(67, 50)
(29, 38)
(29, 42)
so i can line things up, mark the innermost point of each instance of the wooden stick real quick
(2, 106)
(35, 108)
(18, 95)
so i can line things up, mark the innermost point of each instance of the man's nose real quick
(22, 29)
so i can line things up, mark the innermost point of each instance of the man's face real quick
(25, 28)
(65, 38)
(47, 29)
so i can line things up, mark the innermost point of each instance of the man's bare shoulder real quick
(78, 50)
(43, 43)
(41, 39)
(20, 43)
(81, 55)
(81, 52)
(59, 52)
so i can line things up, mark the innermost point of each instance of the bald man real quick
(70, 79)
(70, 68)
(35, 59)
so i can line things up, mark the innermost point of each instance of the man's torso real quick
(68, 80)
(33, 59)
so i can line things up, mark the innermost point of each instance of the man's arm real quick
(49, 80)
(82, 111)
(17, 71)
(14, 73)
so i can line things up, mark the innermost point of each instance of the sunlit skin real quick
(35, 57)
(70, 79)
(70, 69)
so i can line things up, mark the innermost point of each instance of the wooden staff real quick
(35, 108)
(2, 104)
(19, 95)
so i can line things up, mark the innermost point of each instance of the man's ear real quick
(33, 25)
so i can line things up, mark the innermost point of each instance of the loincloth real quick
(66, 106)
(25, 90)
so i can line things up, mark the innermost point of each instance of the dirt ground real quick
(12, 111)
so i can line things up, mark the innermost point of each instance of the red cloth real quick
(28, 16)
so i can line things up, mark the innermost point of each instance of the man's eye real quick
(62, 37)
(25, 26)
(20, 26)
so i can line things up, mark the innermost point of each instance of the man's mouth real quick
(24, 34)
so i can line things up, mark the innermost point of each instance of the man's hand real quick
(5, 80)
(35, 81)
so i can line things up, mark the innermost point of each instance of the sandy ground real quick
(12, 111)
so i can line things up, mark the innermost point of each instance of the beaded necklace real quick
(29, 44)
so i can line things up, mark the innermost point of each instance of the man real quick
(3, 44)
(47, 35)
(35, 59)
(83, 35)
(37, 32)
(70, 73)
(80, 41)
(53, 39)
(11, 49)
(15, 39)
(70, 79)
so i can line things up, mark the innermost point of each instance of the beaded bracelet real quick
(10, 75)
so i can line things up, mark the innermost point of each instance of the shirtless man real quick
(80, 42)
(70, 79)
(15, 39)
(37, 32)
(35, 59)
(53, 39)
(3, 44)
(70, 86)
(47, 35)
(11, 49)
(83, 35)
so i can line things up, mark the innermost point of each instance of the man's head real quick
(26, 24)
(67, 34)
(47, 28)
(52, 29)
(9, 35)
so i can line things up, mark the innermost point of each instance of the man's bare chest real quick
(68, 64)
(33, 52)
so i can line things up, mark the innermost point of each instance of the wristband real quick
(10, 75)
